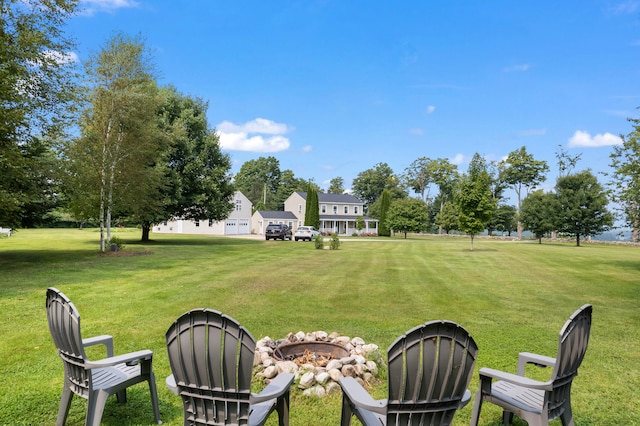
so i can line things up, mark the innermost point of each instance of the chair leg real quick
(122, 396)
(97, 401)
(567, 417)
(347, 413)
(282, 408)
(477, 406)
(507, 417)
(65, 403)
(154, 398)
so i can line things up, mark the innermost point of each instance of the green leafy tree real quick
(625, 178)
(288, 185)
(523, 172)
(407, 215)
(418, 177)
(474, 199)
(114, 156)
(444, 175)
(336, 186)
(539, 213)
(504, 219)
(195, 178)
(259, 180)
(37, 100)
(385, 202)
(447, 217)
(582, 205)
(368, 185)
(360, 224)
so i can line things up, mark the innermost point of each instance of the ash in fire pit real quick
(318, 360)
(316, 353)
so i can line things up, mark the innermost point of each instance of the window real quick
(210, 223)
(323, 208)
(355, 209)
(197, 223)
(238, 205)
(335, 209)
(346, 209)
(299, 208)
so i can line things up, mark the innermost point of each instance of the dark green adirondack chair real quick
(429, 370)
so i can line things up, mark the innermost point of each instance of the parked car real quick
(306, 233)
(277, 231)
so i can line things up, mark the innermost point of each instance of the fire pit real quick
(318, 360)
(316, 353)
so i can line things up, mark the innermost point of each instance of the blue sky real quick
(331, 88)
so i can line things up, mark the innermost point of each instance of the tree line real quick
(104, 143)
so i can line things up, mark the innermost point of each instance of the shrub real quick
(335, 242)
(318, 242)
(119, 242)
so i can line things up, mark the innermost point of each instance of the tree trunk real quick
(577, 240)
(540, 240)
(472, 243)
(520, 229)
(146, 229)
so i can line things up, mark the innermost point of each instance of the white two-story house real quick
(338, 213)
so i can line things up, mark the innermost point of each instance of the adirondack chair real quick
(429, 370)
(93, 380)
(211, 358)
(534, 401)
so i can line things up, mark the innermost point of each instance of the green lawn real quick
(511, 296)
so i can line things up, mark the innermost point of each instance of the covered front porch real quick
(346, 226)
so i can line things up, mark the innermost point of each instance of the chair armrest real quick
(104, 339)
(525, 358)
(488, 374)
(360, 397)
(170, 382)
(275, 389)
(131, 358)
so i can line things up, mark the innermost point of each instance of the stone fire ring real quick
(318, 360)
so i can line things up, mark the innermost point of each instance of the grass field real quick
(511, 296)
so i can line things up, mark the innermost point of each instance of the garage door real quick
(231, 227)
(243, 226)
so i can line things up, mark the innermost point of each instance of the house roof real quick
(333, 198)
(276, 214)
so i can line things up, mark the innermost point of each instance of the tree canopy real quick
(407, 215)
(582, 206)
(37, 96)
(539, 213)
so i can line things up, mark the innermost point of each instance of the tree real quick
(523, 172)
(383, 228)
(114, 156)
(625, 179)
(360, 224)
(368, 185)
(418, 176)
(407, 215)
(473, 198)
(258, 180)
(539, 213)
(444, 175)
(196, 181)
(566, 162)
(447, 217)
(312, 208)
(288, 185)
(336, 186)
(37, 97)
(582, 205)
(504, 219)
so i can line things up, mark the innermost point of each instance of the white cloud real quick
(626, 7)
(459, 159)
(518, 68)
(307, 148)
(584, 139)
(89, 7)
(62, 58)
(430, 109)
(250, 136)
(416, 131)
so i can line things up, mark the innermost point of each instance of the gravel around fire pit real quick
(317, 373)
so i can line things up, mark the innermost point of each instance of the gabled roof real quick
(276, 214)
(333, 198)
